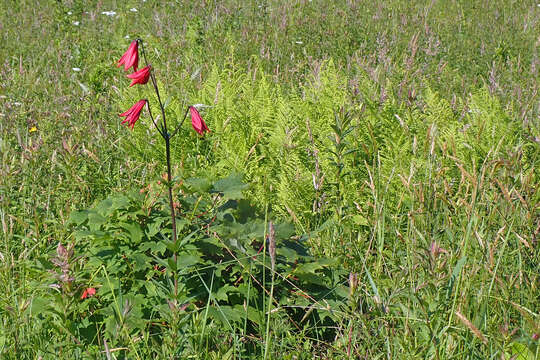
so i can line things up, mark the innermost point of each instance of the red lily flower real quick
(133, 113)
(88, 293)
(140, 77)
(197, 121)
(130, 57)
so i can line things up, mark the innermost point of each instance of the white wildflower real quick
(200, 106)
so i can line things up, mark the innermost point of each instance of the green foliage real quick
(435, 209)
(122, 249)
(283, 143)
(427, 172)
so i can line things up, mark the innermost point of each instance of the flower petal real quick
(130, 57)
(197, 121)
(133, 113)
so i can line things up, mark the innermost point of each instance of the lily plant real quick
(130, 59)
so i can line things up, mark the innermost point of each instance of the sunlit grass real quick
(436, 209)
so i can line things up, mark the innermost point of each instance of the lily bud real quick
(130, 57)
(133, 113)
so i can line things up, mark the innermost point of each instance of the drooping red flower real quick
(89, 292)
(133, 113)
(130, 57)
(140, 77)
(197, 121)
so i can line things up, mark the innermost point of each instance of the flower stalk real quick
(131, 59)
(166, 136)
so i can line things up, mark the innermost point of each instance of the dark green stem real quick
(165, 134)
(180, 125)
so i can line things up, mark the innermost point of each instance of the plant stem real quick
(181, 123)
(267, 343)
(173, 217)
(165, 134)
(153, 121)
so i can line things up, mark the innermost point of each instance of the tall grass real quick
(400, 137)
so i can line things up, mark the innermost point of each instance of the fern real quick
(416, 154)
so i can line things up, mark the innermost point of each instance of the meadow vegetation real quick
(390, 151)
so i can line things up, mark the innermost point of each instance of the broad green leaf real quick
(231, 187)
(222, 292)
(253, 314)
(150, 288)
(78, 217)
(135, 232)
(120, 202)
(186, 260)
(308, 268)
(284, 231)
(171, 264)
(325, 262)
(95, 221)
(341, 291)
(105, 207)
(83, 234)
(158, 247)
(39, 305)
(312, 279)
(141, 261)
(45, 263)
(289, 254)
(225, 314)
(201, 185)
(170, 245)
(154, 227)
